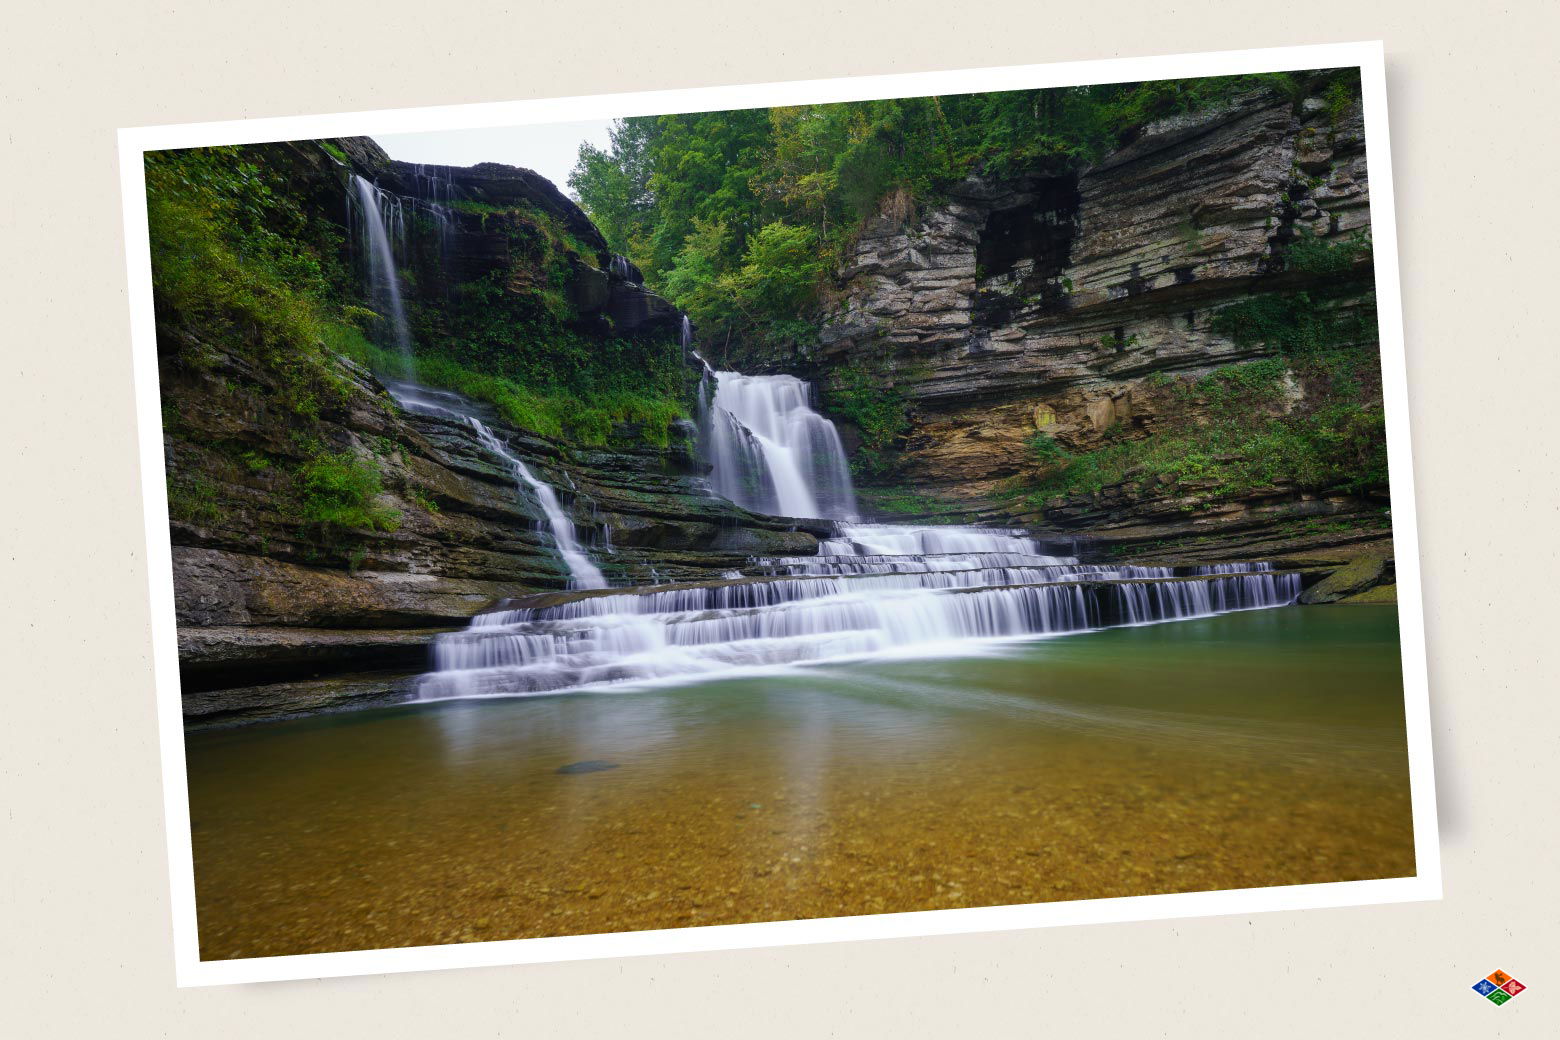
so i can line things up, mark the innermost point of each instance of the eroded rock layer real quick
(1060, 304)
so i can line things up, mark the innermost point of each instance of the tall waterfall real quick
(380, 223)
(770, 451)
(871, 590)
(420, 400)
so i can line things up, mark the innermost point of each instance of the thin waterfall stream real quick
(381, 227)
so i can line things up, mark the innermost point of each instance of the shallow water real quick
(1249, 749)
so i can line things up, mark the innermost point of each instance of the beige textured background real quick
(85, 943)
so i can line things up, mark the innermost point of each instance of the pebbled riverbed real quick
(1247, 749)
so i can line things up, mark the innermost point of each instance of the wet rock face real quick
(1042, 303)
(606, 293)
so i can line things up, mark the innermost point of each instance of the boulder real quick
(1350, 580)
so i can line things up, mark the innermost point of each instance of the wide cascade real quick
(873, 589)
(771, 452)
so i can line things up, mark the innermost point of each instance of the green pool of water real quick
(1257, 748)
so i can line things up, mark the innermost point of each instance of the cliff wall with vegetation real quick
(322, 535)
(1140, 312)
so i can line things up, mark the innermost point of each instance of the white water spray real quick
(379, 220)
(918, 590)
(770, 451)
(421, 400)
(582, 572)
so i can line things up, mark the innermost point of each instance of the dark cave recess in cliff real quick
(1038, 229)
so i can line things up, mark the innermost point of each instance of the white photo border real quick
(1425, 884)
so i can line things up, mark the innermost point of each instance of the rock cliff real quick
(278, 615)
(1059, 302)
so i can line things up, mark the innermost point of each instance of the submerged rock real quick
(594, 765)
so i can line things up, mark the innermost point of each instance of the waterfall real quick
(420, 400)
(436, 197)
(380, 223)
(582, 573)
(873, 589)
(770, 451)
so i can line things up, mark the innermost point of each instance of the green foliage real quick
(695, 200)
(876, 409)
(1046, 451)
(339, 491)
(1340, 94)
(1228, 432)
(1116, 342)
(1297, 324)
(911, 502)
(420, 498)
(653, 398)
(193, 500)
(238, 263)
(255, 462)
(1311, 254)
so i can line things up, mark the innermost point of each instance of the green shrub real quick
(1227, 431)
(1340, 94)
(1311, 254)
(193, 500)
(255, 462)
(877, 410)
(339, 492)
(1046, 451)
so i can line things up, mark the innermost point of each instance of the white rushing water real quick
(771, 452)
(871, 589)
(583, 574)
(379, 221)
(874, 589)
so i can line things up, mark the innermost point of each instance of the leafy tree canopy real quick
(738, 216)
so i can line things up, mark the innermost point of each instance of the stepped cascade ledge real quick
(870, 589)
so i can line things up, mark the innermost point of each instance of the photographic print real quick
(797, 511)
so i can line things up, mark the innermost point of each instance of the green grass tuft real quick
(339, 491)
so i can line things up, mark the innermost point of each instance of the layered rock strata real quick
(1059, 304)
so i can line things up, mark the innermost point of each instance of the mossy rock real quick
(1381, 594)
(1356, 577)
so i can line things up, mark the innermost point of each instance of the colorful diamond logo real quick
(1497, 987)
